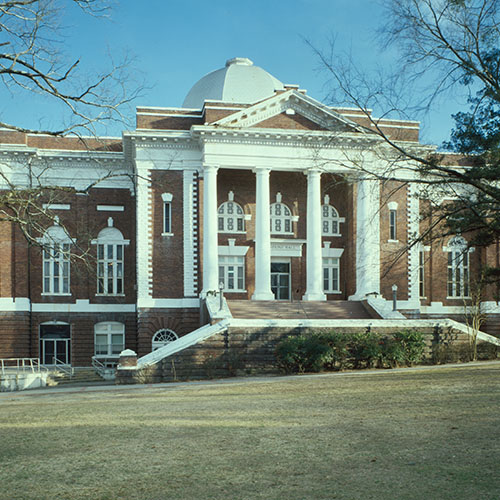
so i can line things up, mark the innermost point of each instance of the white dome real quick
(239, 82)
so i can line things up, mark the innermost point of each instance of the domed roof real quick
(239, 82)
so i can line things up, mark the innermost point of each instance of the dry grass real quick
(411, 435)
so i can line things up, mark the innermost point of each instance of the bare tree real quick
(33, 61)
(443, 45)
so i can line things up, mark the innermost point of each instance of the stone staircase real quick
(80, 376)
(334, 309)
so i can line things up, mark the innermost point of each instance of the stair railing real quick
(63, 367)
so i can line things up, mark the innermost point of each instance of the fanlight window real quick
(458, 268)
(231, 218)
(56, 261)
(330, 219)
(110, 260)
(281, 217)
(163, 337)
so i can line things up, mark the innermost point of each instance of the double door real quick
(280, 280)
(55, 345)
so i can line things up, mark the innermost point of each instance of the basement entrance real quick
(55, 344)
(280, 280)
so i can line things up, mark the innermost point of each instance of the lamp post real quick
(394, 297)
(221, 298)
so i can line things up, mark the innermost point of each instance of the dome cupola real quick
(239, 82)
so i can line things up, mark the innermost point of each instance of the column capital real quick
(210, 167)
(313, 171)
(261, 170)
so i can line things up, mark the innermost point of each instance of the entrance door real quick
(280, 280)
(55, 344)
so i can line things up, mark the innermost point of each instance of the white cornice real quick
(281, 137)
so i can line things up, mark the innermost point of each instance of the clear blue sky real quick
(176, 42)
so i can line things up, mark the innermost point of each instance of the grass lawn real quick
(425, 434)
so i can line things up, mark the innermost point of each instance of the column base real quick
(263, 296)
(314, 296)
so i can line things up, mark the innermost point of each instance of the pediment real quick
(290, 110)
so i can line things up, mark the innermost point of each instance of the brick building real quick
(251, 183)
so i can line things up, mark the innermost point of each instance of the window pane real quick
(109, 252)
(119, 285)
(119, 252)
(288, 228)
(221, 224)
(100, 252)
(240, 224)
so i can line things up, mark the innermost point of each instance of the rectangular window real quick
(232, 273)
(392, 225)
(458, 273)
(109, 339)
(167, 217)
(421, 273)
(109, 269)
(56, 271)
(331, 275)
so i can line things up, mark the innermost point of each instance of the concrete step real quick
(80, 375)
(335, 309)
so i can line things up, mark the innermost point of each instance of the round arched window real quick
(163, 337)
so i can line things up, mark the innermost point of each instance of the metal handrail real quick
(21, 364)
(63, 367)
(101, 366)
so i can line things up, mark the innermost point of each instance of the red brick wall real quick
(168, 251)
(181, 321)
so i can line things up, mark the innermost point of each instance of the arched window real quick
(163, 337)
(109, 338)
(231, 216)
(56, 246)
(281, 217)
(110, 259)
(330, 218)
(458, 267)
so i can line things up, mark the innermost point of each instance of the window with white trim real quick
(393, 225)
(232, 272)
(167, 213)
(56, 246)
(109, 338)
(393, 219)
(331, 274)
(110, 260)
(163, 337)
(281, 217)
(458, 268)
(421, 273)
(231, 217)
(330, 219)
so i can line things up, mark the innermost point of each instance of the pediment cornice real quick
(282, 137)
(302, 104)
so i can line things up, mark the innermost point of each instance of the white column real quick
(262, 238)
(314, 283)
(367, 238)
(210, 242)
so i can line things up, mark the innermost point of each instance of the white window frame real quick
(56, 261)
(109, 329)
(231, 216)
(393, 221)
(167, 214)
(458, 268)
(421, 273)
(330, 219)
(331, 274)
(283, 219)
(232, 273)
(163, 337)
(110, 261)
